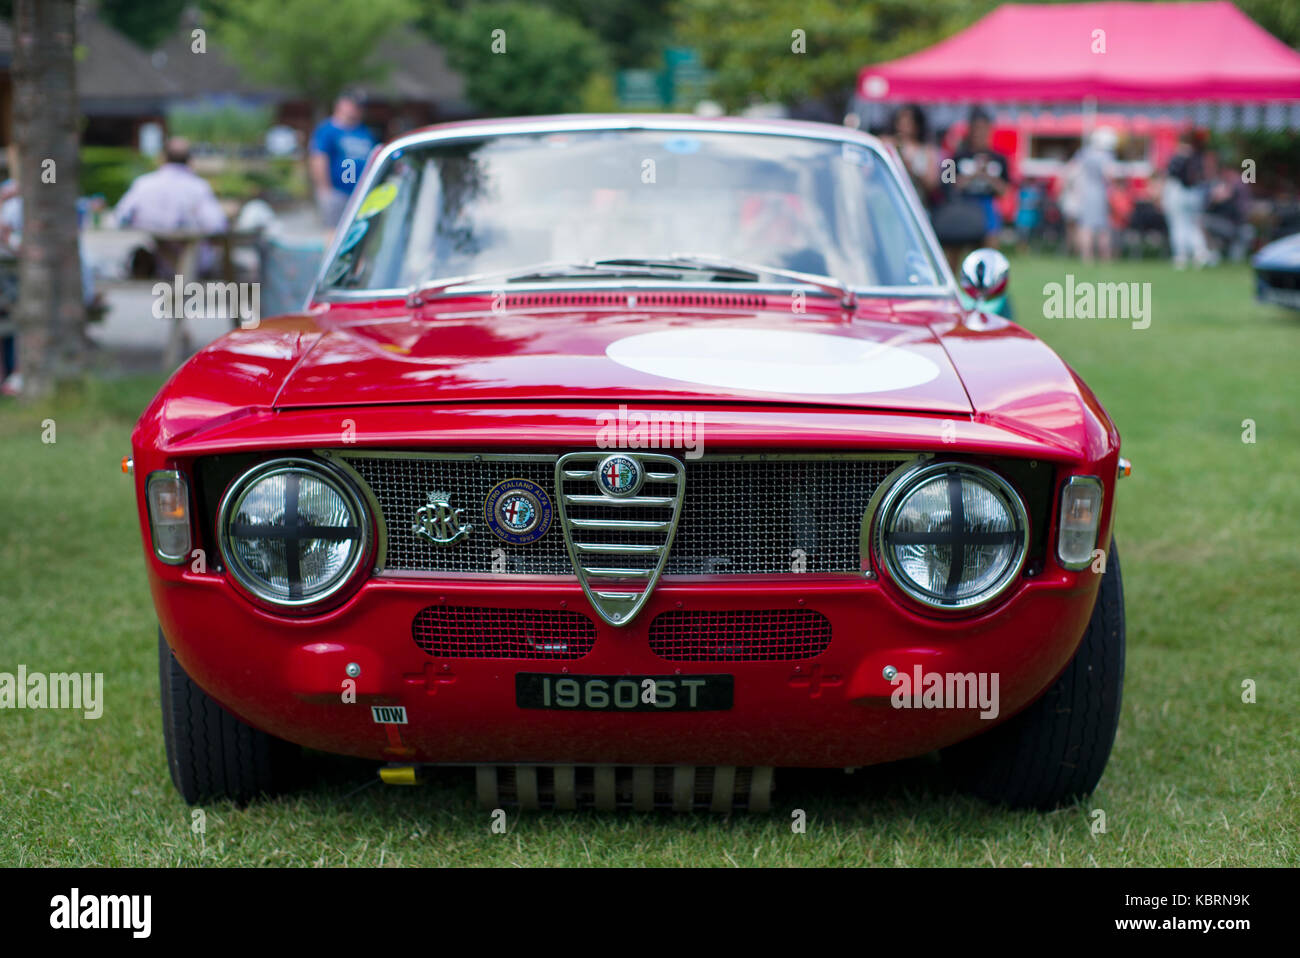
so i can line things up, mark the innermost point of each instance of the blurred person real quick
(339, 148)
(1030, 199)
(1092, 169)
(983, 174)
(1181, 201)
(10, 228)
(171, 199)
(920, 158)
(1227, 214)
(11, 240)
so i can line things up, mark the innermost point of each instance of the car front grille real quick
(741, 515)
(740, 636)
(484, 633)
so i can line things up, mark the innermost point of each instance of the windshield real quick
(508, 202)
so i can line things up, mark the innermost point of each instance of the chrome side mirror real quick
(984, 275)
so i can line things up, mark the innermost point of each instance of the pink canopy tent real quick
(1155, 53)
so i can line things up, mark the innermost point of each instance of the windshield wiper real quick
(827, 284)
(654, 267)
(677, 264)
(630, 268)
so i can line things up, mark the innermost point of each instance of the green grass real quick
(1208, 526)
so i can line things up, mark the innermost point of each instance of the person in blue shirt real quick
(339, 148)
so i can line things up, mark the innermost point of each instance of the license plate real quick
(624, 693)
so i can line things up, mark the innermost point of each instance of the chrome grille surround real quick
(619, 545)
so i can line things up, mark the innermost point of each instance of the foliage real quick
(547, 62)
(108, 171)
(316, 49)
(751, 45)
(277, 180)
(147, 22)
(223, 125)
(634, 32)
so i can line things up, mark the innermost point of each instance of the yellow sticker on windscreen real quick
(377, 200)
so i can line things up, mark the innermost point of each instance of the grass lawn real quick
(1209, 529)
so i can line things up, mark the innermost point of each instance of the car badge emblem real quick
(439, 522)
(518, 511)
(619, 476)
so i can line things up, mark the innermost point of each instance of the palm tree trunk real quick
(50, 313)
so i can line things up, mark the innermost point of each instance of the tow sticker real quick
(388, 714)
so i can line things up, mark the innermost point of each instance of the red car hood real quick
(872, 362)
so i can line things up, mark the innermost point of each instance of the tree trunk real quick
(50, 313)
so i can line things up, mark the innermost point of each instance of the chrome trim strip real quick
(612, 573)
(379, 160)
(610, 548)
(620, 525)
(360, 453)
(577, 500)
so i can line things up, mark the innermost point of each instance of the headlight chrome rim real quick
(248, 580)
(911, 480)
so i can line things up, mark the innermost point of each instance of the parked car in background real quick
(626, 459)
(1277, 272)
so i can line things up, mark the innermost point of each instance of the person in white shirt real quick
(173, 198)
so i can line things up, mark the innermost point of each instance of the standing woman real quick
(920, 157)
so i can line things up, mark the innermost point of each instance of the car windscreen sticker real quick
(377, 200)
(682, 144)
(353, 236)
(769, 360)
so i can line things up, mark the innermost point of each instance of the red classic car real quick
(626, 459)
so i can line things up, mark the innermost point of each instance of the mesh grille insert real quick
(739, 517)
(485, 633)
(764, 636)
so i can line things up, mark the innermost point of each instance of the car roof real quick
(574, 122)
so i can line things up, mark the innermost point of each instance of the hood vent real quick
(633, 300)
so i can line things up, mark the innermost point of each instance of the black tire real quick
(211, 754)
(1055, 751)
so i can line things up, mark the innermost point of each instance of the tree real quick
(633, 31)
(147, 22)
(50, 315)
(518, 59)
(316, 49)
(792, 51)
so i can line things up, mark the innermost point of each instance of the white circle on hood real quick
(772, 360)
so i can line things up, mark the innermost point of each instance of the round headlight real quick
(292, 532)
(952, 536)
